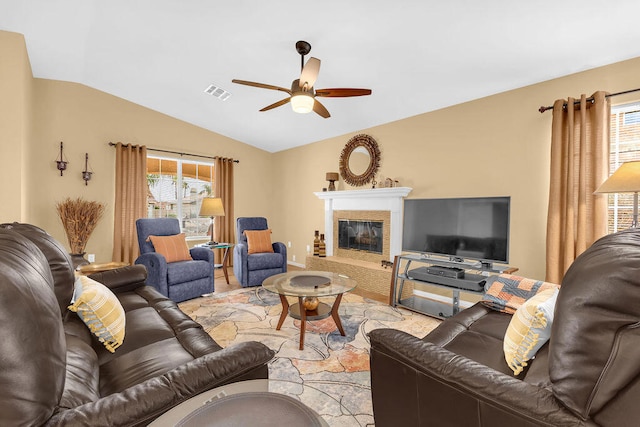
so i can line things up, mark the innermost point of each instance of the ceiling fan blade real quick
(261, 85)
(310, 72)
(320, 109)
(276, 104)
(342, 92)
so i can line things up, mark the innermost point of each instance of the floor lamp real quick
(211, 207)
(626, 179)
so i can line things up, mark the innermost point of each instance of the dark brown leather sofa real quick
(53, 371)
(588, 374)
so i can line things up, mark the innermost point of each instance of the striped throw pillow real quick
(100, 310)
(529, 329)
(259, 241)
(172, 248)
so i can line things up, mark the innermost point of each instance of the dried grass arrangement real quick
(79, 218)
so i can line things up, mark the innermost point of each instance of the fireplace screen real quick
(360, 235)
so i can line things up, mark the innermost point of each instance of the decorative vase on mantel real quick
(78, 260)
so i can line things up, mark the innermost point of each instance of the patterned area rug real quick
(331, 363)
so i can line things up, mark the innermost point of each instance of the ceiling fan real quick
(302, 95)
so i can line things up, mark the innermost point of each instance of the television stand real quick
(437, 276)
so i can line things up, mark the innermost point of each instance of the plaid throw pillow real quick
(507, 293)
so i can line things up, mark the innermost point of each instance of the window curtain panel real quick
(579, 164)
(130, 200)
(224, 226)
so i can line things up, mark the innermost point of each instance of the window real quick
(625, 147)
(176, 190)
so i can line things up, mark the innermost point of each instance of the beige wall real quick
(87, 120)
(495, 146)
(15, 111)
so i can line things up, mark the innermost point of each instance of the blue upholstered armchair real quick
(180, 280)
(252, 269)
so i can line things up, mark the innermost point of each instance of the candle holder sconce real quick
(86, 174)
(61, 162)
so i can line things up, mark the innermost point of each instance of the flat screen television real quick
(475, 228)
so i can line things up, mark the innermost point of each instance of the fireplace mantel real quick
(376, 199)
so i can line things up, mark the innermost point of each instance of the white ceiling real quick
(416, 55)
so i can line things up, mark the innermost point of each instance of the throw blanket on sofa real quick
(507, 293)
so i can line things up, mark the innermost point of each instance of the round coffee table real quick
(276, 402)
(308, 286)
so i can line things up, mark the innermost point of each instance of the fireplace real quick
(369, 230)
(361, 235)
(365, 209)
(374, 205)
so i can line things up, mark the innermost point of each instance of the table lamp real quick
(212, 206)
(332, 177)
(626, 179)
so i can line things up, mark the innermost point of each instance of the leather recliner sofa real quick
(588, 373)
(54, 371)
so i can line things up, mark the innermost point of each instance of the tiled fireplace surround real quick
(380, 204)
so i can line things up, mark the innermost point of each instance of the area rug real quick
(331, 363)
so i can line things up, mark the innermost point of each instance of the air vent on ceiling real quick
(218, 92)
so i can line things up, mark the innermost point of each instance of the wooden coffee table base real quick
(297, 311)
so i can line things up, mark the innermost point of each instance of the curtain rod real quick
(177, 152)
(542, 109)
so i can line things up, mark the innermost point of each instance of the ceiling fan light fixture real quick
(302, 102)
(302, 97)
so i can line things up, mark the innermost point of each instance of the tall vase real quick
(78, 260)
(316, 244)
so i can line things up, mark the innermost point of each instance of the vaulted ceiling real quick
(416, 56)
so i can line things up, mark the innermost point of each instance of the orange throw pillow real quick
(173, 248)
(258, 241)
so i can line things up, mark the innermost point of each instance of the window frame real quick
(617, 157)
(180, 210)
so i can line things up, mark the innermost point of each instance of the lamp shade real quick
(332, 176)
(626, 179)
(212, 206)
(302, 102)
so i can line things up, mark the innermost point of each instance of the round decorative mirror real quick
(359, 160)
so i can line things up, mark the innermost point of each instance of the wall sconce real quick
(61, 163)
(86, 174)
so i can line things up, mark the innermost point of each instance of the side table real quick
(87, 269)
(321, 403)
(225, 256)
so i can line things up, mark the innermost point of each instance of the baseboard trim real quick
(296, 264)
